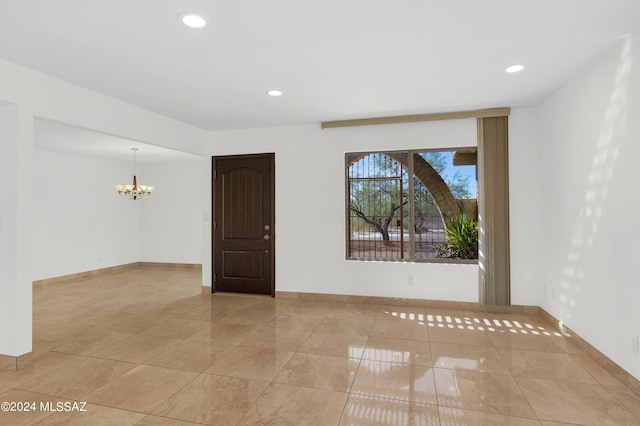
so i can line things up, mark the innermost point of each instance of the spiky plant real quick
(462, 239)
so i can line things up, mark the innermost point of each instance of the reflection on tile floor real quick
(150, 349)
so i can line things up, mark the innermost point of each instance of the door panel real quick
(243, 255)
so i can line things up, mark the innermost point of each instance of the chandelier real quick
(135, 191)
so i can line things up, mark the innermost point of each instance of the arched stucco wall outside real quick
(446, 203)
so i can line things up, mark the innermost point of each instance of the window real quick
(412, 205)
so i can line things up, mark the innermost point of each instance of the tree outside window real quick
(412, 205)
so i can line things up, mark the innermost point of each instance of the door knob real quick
(266, 236)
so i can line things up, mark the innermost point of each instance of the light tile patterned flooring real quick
(145, 347)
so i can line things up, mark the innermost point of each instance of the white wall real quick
(16, 145)
(589, 144)
(310, 209)
(35, 94)
(79, 221)
(54, 99)
(524, 208)
(80, 224)
(172, 219)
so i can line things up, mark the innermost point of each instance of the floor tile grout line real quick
(564, 351)
(616, 399)
(173, 394)
(168, 418)
(505, 415)
(64, 398)
(69, 362)
(122, 375)
(533, 410)
(572, 356)
(271, 383)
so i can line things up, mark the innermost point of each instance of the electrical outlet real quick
(410, 280)
(635, 344)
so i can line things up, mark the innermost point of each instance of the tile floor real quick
(145, 347)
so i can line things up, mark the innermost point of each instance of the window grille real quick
(391, 215)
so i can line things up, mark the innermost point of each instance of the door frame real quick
(272, 202)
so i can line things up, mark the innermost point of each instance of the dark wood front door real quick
(243, 224)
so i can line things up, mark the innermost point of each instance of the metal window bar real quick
(376, 200)
(377, 183)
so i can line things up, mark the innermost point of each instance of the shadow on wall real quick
(602, 168)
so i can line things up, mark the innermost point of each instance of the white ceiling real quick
(334, 59)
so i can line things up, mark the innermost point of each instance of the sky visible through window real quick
(465, 172)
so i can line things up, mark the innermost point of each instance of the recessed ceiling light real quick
(192, 20)
(274, 93)
(514, 68)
